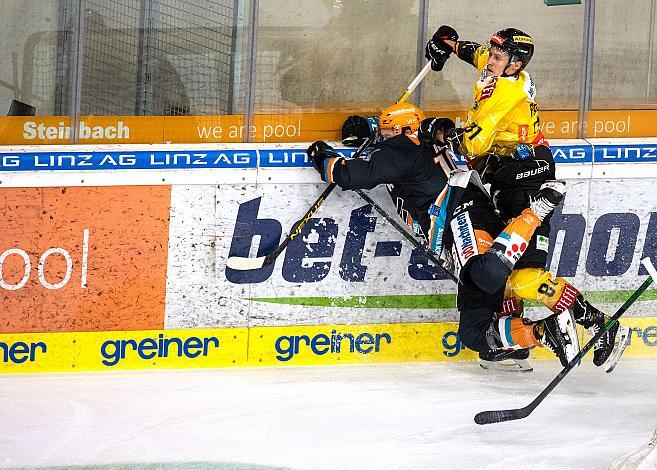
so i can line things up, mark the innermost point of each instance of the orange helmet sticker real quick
(401, 115)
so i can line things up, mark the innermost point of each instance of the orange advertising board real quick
(83, 259)
(291, 127)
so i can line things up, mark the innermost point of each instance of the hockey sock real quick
(516, 334)
(514, 239)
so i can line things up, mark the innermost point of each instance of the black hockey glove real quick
(430, 127)
(454, 138)
(357, 129)
(320, 152)
(437, 50)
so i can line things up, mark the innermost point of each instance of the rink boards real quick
(258, 346)
(114, 258)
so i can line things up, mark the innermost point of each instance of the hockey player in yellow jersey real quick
(502, 139)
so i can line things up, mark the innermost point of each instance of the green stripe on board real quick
(430, 300)
(368, 301)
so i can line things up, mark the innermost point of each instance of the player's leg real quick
(559, 295)
(514, 182)
(483, 278)
(489, 271)
(516, 360)
(479, 331)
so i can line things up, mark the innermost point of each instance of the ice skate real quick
(559, 334)
(547, 198)
(608, 350)
(513, 360)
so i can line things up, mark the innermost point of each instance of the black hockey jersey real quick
(413, 179)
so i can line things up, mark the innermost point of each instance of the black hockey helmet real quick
(519, 45)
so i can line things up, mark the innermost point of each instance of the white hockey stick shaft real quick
(650, 268)
(416, 81)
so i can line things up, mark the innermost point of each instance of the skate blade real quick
(623, 341)
(508, 365)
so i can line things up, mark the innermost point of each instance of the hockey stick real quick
(244, 264)
(416, 81)
(417, 244)
(488, 417)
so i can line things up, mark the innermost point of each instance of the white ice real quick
(387, 416)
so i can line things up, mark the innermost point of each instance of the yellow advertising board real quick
(259, 346)
(122, 350)
(346, 344)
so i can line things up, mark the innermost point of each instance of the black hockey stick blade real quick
(490, 417)
(498, 416)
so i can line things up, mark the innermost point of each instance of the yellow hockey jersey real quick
(504, 112)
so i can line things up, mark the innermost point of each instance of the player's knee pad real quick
(557, 294)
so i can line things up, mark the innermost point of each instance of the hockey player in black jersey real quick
(502, 139)
(451, 209)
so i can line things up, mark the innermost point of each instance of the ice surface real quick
(391, 416)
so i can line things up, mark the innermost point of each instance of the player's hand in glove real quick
(433, 130)
(357, 129)
(454, 138)
(437, 50)
(321, 154)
